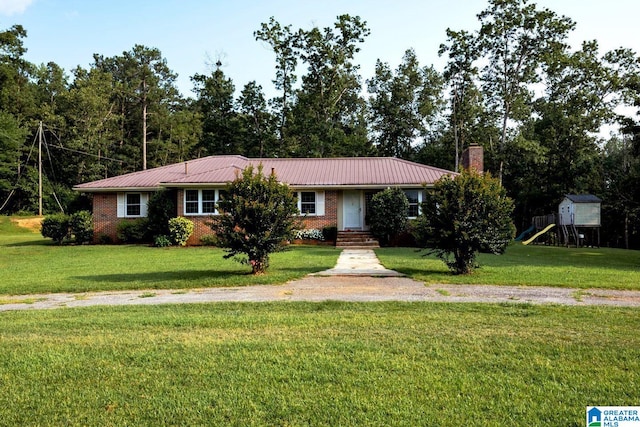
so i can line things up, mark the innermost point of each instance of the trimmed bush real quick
(330, 232)
(81, 224)
(133, 231)
(209, 240)
(259, 214)
(388, 214)
(160, 209)
(104, 239)
(180, 229)
(463, 215)
(162, 241)
(56, 227)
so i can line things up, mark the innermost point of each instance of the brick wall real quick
(105, 215)
(330, 217)
(105, 212)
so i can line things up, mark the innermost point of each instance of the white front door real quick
(352, 210)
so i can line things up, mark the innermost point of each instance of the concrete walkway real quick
(359, 262)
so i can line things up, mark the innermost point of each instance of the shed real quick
(580, 210)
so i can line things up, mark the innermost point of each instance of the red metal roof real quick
(324, 172)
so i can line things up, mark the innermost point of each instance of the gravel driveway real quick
(339, 288)
(357, 276)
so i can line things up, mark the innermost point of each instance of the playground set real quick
(576, 223)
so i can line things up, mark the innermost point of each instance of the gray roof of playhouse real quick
(583, 198)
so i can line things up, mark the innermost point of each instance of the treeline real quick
(513, 85)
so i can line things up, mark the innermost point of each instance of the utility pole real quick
(144, 124)
(40, 169)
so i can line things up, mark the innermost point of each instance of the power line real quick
(85, 153)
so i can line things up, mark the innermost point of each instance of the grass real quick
(321, 364)
(528, 265)
(5, 301)
(32, 264)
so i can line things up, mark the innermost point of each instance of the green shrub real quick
(160, 209)
(330, 232)
(209, 240)
(180, 229)
(162, 241)
(388, 214)
(104, 239)
(463, 215)
(133, 231)
(259, 214)
(81, 224)
(56, 227)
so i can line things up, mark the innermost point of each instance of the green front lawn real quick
(528, 265)
(320, 364)
(32, 264)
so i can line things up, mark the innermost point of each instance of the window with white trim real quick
(201, 202)
(415, 199)
(310, 203)
(132, 205)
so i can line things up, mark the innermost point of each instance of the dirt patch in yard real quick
(31, 223)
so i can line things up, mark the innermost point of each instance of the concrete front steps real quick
(356, 240)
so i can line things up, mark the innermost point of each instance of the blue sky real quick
(193, 33)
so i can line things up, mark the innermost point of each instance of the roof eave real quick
(115, 189)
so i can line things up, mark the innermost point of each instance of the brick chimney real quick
(473, 158)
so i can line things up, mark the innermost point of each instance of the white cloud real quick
(10, 7)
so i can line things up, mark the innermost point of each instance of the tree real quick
(463, 215)
(325, 115)
(16, 89)
(557, 150)
(465, 99)
(91, 119)
(257, 216)
(11, 138)
(144, 95)
(621, 196)
(328, 104)
(283, 42)
(403, 105)
(515, 38)
(387, 215)
(219, 118)
(258, 123)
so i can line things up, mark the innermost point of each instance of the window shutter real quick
(320, 203)
(144, 200)
(122, 205)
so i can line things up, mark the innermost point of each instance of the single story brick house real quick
(331, 191)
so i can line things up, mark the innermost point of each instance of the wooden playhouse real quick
(579, 219)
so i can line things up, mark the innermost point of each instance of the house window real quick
(415, 198)
(201, 202)
(310, 202)
(133, 204)
(191, 202)
(208, 201)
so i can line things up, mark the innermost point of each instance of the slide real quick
(547, 228)
(524, 233)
